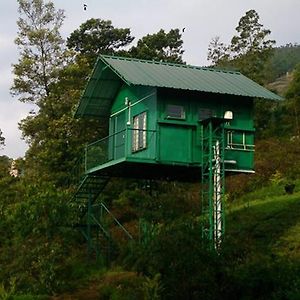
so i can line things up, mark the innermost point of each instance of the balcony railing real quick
(142, 144)
(240, 140)
(117, 146)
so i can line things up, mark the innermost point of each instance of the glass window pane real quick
(175, 111)
(139, 136)
(205, 113)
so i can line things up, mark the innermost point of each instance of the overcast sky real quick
(203, 20)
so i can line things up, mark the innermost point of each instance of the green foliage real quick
(266, 115)
(161, 46)
(121, 286)
(290, 112)
(283, 60)
(249, 50)
(218, 52)
(268, 267)
(280, 119)
(251, 47)
(40, 46)
(5, 163)
(272, 156)
(262, 277)
(38, 241)
(167, 201)
(56, 139)
(153, 287)
(276, 178)
(176, 252)
(97, 36)
(40, 249)
(7, 293)
(294, 88)
(251, 36)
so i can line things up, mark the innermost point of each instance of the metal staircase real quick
(92, 217)
(212, 181)
(87, 192)
(90, 187)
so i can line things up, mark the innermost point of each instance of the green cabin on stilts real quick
(156, 113)
(169, 121)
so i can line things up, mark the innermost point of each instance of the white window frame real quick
(139, 134)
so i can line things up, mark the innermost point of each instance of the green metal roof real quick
(110, 72)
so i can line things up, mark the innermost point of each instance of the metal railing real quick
(116, 146)
(105, 150)
(238, 140)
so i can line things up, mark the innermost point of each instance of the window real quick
(139, 136)
(205, 113)
(175, 112)
(240, 140)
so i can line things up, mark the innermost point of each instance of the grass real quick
(266, 223)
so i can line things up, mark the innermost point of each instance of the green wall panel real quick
(175, 143)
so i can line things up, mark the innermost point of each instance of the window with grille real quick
(139, 136)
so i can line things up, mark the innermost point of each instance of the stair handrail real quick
(116, 220)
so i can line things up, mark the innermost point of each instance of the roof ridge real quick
(155, 62)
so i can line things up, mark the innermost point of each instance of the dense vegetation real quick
(42, 252)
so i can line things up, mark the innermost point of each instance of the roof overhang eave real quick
(97, 75)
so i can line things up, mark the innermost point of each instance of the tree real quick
(249, 50)
(5, 163)
(41, 49)
(251, 47)
(40, 78)
(284, 59)
(55, 137)
(160, 46)
(2, 139)
(293, 104)
(218, 52)
(97, 36)
(251, 37)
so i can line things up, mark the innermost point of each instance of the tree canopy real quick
(249, 49)
(97, 36)
(41, 49)
(162, 46)
(251, 36)
(41, 250)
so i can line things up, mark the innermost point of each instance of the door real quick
(119, 136)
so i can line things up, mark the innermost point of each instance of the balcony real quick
(121, 148)
(138, 153)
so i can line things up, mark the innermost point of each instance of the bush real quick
(121, 285)
(188, 269)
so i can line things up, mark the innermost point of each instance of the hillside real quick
(269, 224)
(264, 229)
(283, 61)
(280, 85)
(69, 229)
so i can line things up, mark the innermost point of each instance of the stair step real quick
(90, 186)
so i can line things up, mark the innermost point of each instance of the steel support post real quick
(213, 182)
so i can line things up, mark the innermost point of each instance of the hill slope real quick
(269, 225)
(260, 261)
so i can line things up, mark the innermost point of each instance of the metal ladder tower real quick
(212, 181)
